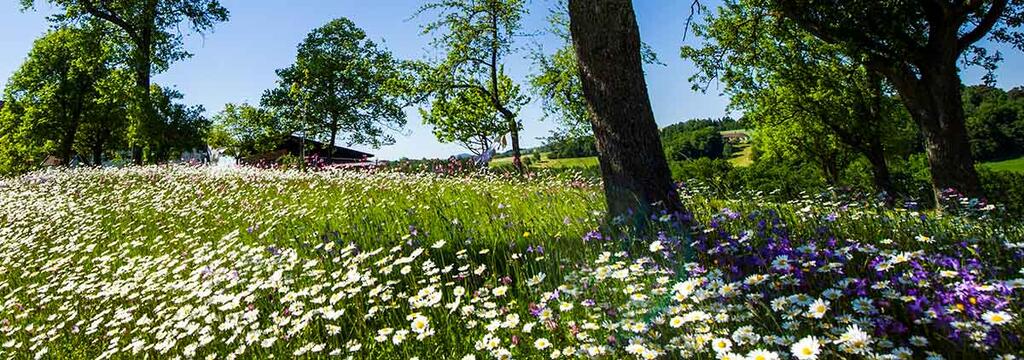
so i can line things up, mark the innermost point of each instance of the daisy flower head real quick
(817, 309)
(762, 354)
(721, 345)
(807, 348)
(996, 317)
(656, 246)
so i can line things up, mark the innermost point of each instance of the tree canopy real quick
(342, 86)
(918, 46)
(995, 122)
(150, 31)
(809, 99)
(52, 94)
(244, 130)
(476, 37)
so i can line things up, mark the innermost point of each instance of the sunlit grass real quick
(1007, 165)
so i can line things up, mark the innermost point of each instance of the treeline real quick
(688, 140)
(788, 162)
(74, 100)
(995, 122)
(85, 92)
(699, 138)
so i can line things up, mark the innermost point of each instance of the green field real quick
(548, 163)
(1008, 165)
(191, 262)
(742, 155)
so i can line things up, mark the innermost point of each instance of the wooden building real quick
(297, 146)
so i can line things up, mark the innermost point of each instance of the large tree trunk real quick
(881, 175)
(97, 153)
(67, 141)
(936, 105)
(143, 73)
(146, 118)
(633, 166)
(875, 149)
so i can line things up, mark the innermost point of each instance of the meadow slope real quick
(184, 262)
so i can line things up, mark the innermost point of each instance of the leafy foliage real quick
(465, 116)
(918, 47)
(995, 122)
(182, 127)
(53, 95)
(342, 84)
(809, 99)
(566, 146)
(150, 38)
(244, 130)
(476, 37)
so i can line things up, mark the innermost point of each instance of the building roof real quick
(294, 144)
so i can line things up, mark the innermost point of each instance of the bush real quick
(776, 180)
(575, 147)
(693, 144)
(1004, 188)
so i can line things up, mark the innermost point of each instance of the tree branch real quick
(991, 18)
(110, 16)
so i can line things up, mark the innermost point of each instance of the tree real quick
(790, 82)
(607, 42)
(917, 46)
(562, 145)
(995, 123)
(680, 145)
(780, 139)
(342, 84)
(152, 28)
(50, 94)
(465, 116)
(107, 119)
(252, 130)
(476, 36)
(183, 127)
(557, 81)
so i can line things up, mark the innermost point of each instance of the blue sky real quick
(236, 62)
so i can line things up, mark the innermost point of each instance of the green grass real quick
(742, 155)
(167, 261)
(586, 162)
(1016, 165)
(549, 163)
(740, 131)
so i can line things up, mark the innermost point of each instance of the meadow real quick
(193, 262)
(1015, 165)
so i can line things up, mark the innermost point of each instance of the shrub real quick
(573, 147)
(1004, 188)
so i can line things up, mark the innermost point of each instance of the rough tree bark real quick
(142, 38)
(636, 176)
(923, 69)
(934, 100)
(881, 175)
